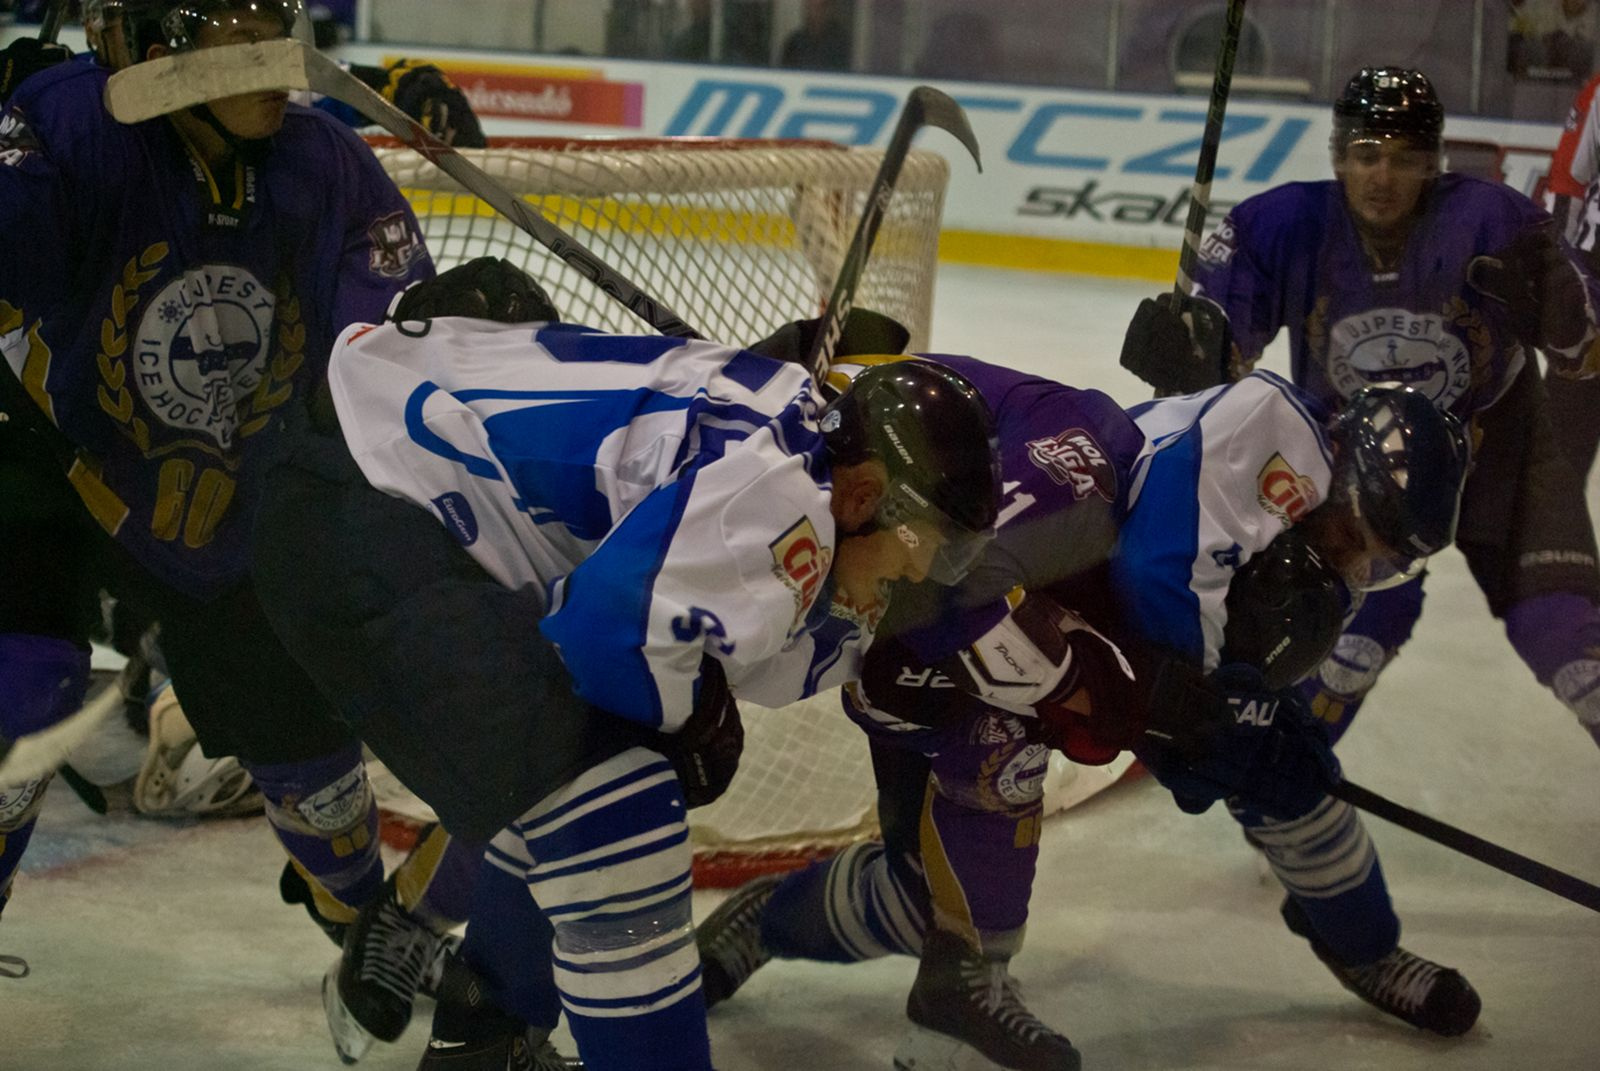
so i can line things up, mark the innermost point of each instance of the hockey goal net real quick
(738, 238)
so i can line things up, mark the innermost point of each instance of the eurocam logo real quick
(548, 94)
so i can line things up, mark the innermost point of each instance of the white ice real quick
(1154, 942)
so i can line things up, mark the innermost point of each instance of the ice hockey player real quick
(1222, 477)
(1447, 283)
(1572, 196)
(560, 555)
(174, 291)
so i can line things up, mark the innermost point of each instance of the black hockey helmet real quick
(935, 435)
(122, 31)
(1388, 102)
(1286, 608)
(1399, 466)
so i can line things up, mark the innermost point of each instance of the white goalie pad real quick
(179, 779)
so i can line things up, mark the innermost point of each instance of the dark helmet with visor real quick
(1399, 466)
(1382, 103)
(123, 31)
(935, 435)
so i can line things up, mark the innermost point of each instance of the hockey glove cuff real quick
(705, 752)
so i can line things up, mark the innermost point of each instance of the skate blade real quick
(350, 1038)
(928, 1050)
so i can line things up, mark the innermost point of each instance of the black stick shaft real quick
(1200, 196)
(925, 106)
(328, 78)
(1504, 859)
(54, 16)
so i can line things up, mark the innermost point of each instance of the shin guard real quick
(324, 816)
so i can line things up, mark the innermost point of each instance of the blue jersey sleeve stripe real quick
(603, 623)
(1154, 560)
(750, 371)
(424, 436)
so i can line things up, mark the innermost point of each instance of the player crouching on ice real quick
(1173, 537)
(534, 564)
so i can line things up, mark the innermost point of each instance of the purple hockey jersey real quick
(1291, 257)
(1065, 456)
(169, 320)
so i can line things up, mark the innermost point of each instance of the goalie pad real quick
(179, 780)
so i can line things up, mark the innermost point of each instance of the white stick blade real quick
(184, 79)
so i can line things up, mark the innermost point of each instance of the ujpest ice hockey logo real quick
(1399, 346)
(202, 347)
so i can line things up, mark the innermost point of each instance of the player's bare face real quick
(864, 564)
(1383, 181)
(252, 115)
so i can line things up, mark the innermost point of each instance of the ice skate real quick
(387, 959)
(729, 939)
(1405, 985)
(471, 1034)
(967, 1014)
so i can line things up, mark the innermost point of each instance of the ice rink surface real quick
(1154, 943)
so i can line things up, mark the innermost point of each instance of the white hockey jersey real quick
(670, 496)
(1223, 472)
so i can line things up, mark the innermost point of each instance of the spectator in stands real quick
(962, 45)
(744, 35)
(823, 41)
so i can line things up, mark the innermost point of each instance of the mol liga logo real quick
(1398, 346)
(1283, 492)
(202, 347)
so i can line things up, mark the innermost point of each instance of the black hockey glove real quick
(865, 332)
(1179, 345)
(25, 56)
(487, 288)
(705, 752)
(896, 681)
(423, 92)
(1539, 288)
(1228, 736)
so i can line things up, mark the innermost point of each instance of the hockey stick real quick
(925, 106)
(1200, 194)
(1142, 353)
(185, 79)
(54, 16)
(1518, 866)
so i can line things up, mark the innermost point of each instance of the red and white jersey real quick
(1573, 192)
(671, 497)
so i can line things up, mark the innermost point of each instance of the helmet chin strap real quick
(249, 150)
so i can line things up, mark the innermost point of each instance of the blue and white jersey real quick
(670, 496)
(1223, 472)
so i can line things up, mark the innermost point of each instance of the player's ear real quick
(857, 490)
